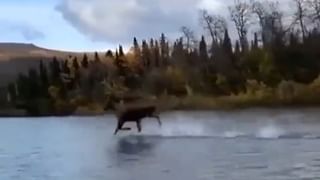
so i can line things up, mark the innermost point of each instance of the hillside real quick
(19, 57)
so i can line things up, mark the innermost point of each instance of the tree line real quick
(279, 51)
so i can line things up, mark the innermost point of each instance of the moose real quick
(136, 114)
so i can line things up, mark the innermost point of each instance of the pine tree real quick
(75, 64)
(33, 82)
(237, 48)
(76, 67)
(237, 54)
(227, 45)
(178, 54)
(136, 47)
(157, 54)
(151, 49)
(65, 67)
(137, 52)
(109, 54)
(85, 62)
(96, 57)
(120, 63)
(255, 41)
(55, 72)
(121, 53)
(145, 54)
(164, 50)
(23, 87)
(44, 79)
(203, 49)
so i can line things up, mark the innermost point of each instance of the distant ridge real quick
(19, 57)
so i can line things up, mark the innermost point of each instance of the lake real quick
(255, 144)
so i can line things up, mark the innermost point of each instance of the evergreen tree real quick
(117, 54)
(227, 45)
(237, 49)
(96, 57)
(23, 87)
(76, 67)
(145, 54)
(255, 41)
(65, 67)
(85, 62)
(121, 53)
(120, 63)
(178, 54)
(193, 57)
(44, 79)
(164, 50)
(156, 54)
(55, 72)
(137, 52)
(75, 64)
(151, 43)
(109, 54)
(136, 47)
(151, 49)
(33, 82)
(203, 49)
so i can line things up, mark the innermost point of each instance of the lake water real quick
(256, 144)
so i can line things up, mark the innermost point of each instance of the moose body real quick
(136, 115)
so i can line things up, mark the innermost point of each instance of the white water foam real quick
(184, 126)
(177, 126)
(233, 134)
(270, 132)
(188, 129)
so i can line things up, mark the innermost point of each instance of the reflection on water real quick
(135, 145)
(237, 145)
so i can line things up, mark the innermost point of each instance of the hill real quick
(20, 57)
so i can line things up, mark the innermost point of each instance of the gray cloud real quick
(27, 31)
(115, 20)
(118, 21)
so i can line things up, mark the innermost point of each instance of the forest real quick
(276, 65)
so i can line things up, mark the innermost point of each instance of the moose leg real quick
(158, 119)
(120, 124)
(139, 125)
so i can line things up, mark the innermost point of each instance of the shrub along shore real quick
(287, 95)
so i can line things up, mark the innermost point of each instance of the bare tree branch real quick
(214, 24)
(315, 10)
(301, 15)
(189, 36)
(241, 16)
(270, 19)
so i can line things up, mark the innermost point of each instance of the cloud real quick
(120, 21)
(29, 33)
(26, 31)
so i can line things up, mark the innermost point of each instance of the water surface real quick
(255, 144)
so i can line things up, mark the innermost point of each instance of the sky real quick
(86, 25)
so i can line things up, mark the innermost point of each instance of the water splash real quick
(270, 132)
(233, 134)
(181, 126)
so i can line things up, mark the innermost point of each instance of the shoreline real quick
(13, 114)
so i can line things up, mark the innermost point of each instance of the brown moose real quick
(136, 114)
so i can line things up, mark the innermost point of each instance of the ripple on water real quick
(254, 167)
